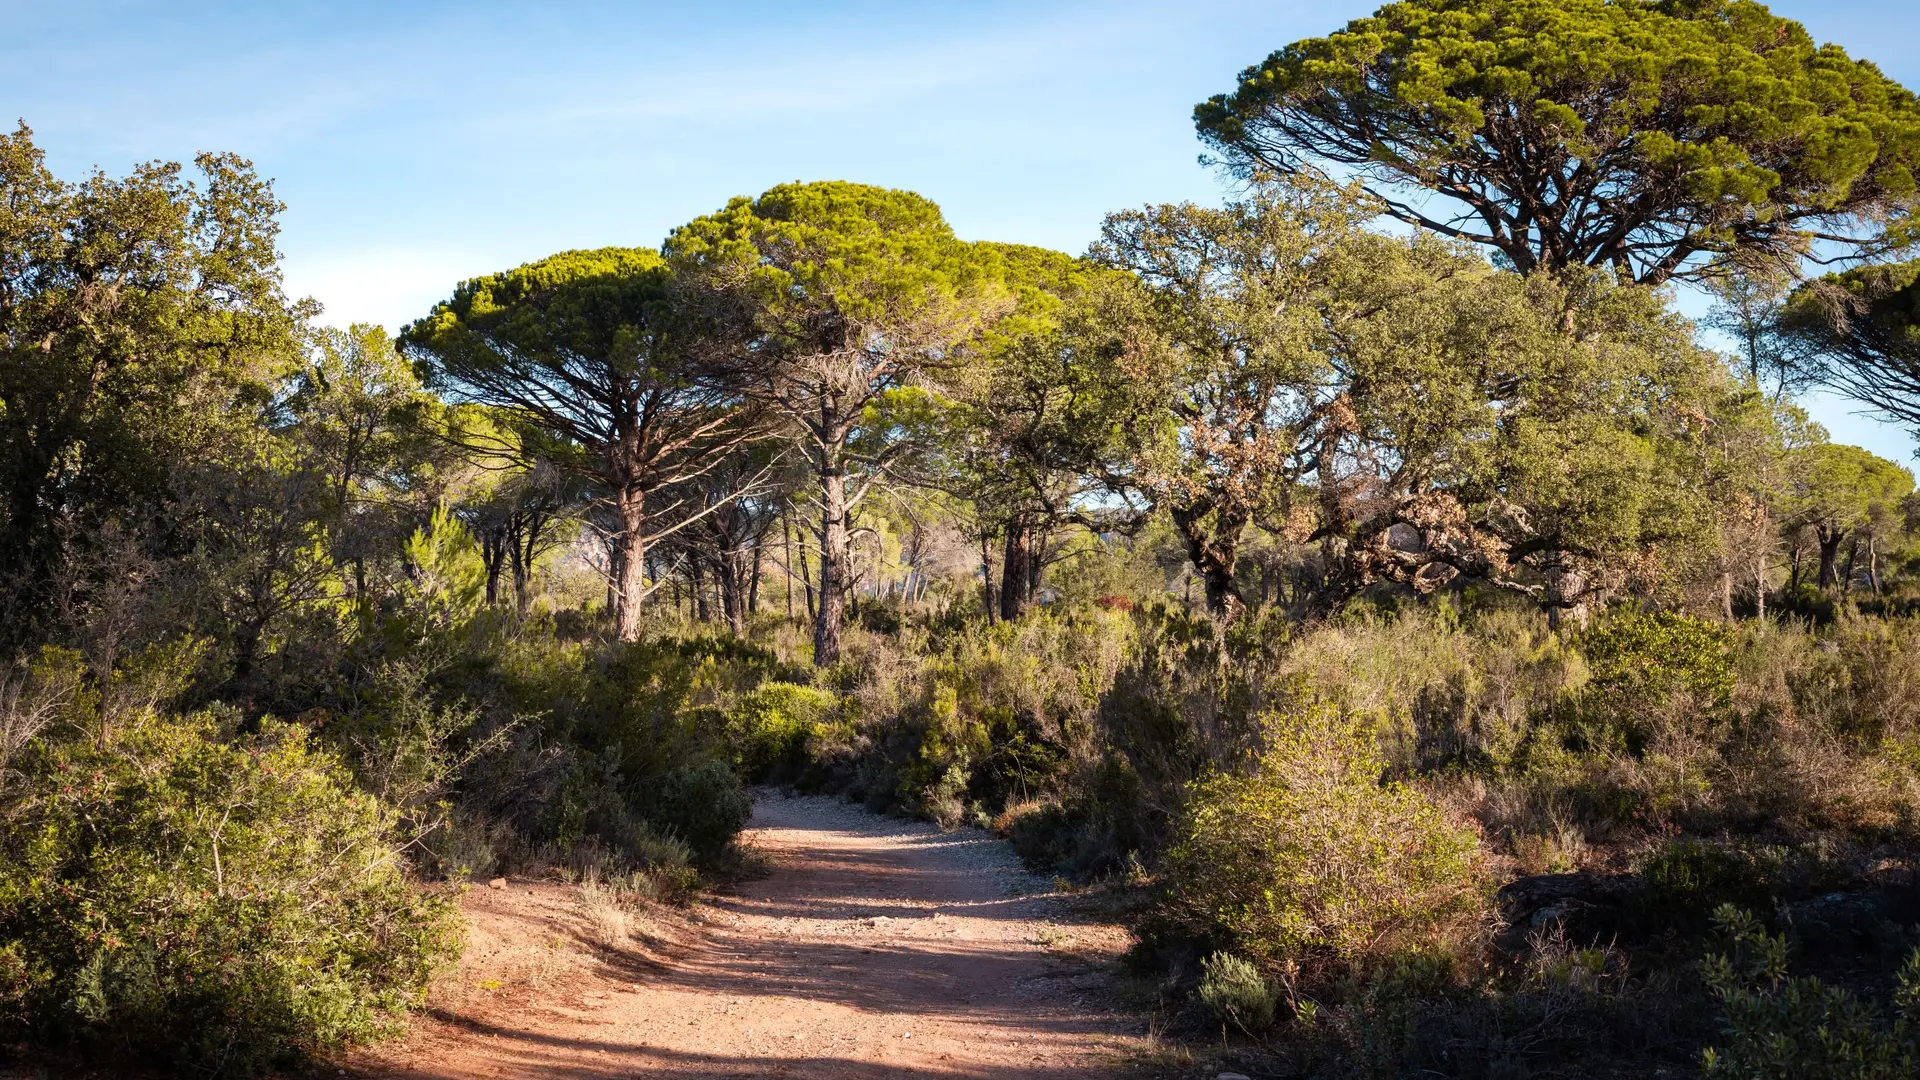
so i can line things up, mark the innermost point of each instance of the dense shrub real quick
(1864, 685)
(1444, 693)
(580, 740)
(1042, 834)
(224, 905)
(770, 726)
(1310, 857)
(1779, 1027)
(1187, 701)
(704, 806)
(1684, 881)
(1562, 1011)
(1651, 656)
(1652, 676)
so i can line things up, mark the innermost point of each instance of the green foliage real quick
(659, 703)
(1685, 880)
(1649, 657)
(144, 324)
(770, 726)
(1780, 1027)
(1233, 991)
(841, 302)
(224, 905)
(1736, 128)
(1311, 857)
(866, 252)
(449, 578)
(1863, 326)
(411, 751)
(703, 806)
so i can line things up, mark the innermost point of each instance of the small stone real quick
(1233, 1076)
(497, 883)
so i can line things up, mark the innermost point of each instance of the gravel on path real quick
(872, 948)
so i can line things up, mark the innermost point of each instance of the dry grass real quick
(1004, 821)
(606, 914)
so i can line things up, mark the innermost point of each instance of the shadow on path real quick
(872, 949)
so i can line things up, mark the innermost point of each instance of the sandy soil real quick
(872, 948)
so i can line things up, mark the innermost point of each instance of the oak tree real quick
(1220, 352)
(141, 325)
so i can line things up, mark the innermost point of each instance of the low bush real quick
(1042, 834)
(1683, 882)
(704, 806)
(1778, 1027)
(221, 905)
(1310, 858)
(1234, 993)
(1864, 686)
(769, 727)
(1564, 1011)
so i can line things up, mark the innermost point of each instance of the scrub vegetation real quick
(1446, 658)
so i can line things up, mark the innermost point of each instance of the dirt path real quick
(873, 948)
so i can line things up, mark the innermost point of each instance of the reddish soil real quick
(871, 948)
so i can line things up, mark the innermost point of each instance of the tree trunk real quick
(1212, 556)
(1016, 567)
(1036, 566)
(522, 584)
(494, 543)
(1873, 562)
(986, 580)
(806, 581)
(523, 542)
(753, 576)
(1563, 586)
(733, 593)
(629, 580)
(786, 556)
(831, 615)
(699, 583)
(1829, 540)
(1726, 595)
(1846, 578)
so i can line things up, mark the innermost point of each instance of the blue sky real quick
(419, 143)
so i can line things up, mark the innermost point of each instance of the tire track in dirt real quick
(873, 948)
